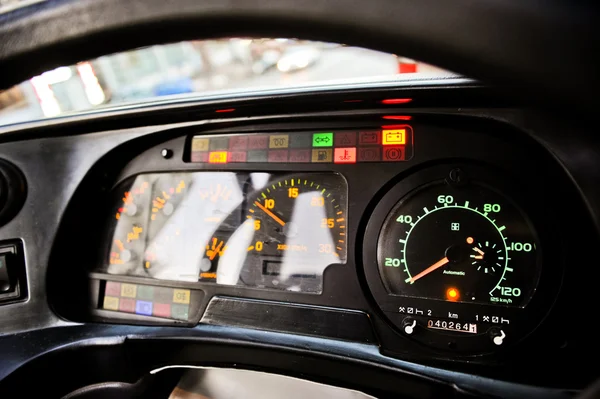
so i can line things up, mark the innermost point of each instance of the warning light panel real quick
(391, 143)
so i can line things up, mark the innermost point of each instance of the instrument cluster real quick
(455, 254)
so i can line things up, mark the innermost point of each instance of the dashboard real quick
(444, 238)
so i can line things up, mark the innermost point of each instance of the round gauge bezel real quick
(524, 319)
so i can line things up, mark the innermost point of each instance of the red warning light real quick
(391, 101)
(217, 157)
(452, 294)
(344, 155)
(398, 117)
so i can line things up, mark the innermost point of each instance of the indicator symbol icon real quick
(369, 138)
(394, 137)
(367, 154)
(322, 155)
(322, 139)
(393, 154)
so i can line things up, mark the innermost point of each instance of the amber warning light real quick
(217, 157)
(452, 294)
(396, 135)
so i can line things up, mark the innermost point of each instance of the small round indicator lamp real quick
(452, 294)
(470, 240)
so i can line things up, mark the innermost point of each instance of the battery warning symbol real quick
(394, 137)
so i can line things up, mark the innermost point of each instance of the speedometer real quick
(459, 244)
(452, 258)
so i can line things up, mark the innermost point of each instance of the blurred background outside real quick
(195, 67)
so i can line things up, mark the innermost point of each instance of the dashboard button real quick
(13, 283)
(408, 325)
(4, 279)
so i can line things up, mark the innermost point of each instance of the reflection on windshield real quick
(195, 67)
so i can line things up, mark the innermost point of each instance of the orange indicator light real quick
(470, 240)
(452, 294)
(217, 157)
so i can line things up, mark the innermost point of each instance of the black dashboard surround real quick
(464, 123)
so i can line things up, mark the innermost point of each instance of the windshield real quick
(197, 67)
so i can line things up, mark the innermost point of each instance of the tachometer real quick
(299, 230)
(298, 216)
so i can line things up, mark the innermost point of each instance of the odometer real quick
(465, 243)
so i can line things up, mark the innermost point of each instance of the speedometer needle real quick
(268, 212)
(431, 268)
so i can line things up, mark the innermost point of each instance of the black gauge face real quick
(459, 244)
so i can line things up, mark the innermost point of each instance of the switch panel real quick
(13, 282)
